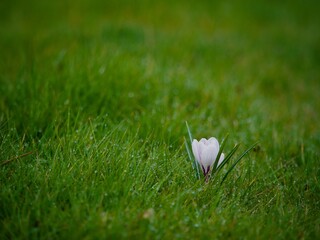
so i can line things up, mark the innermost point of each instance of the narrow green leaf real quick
(223, 143)
(237, 161)
(228, 157)
(188, 151)
(189, 132)
(195, 164)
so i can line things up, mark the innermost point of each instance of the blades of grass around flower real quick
(237, 161)
(193, 161)
(195, 164)
(189, 133)
(15, 158)
(228, 157)
(188, 151)
(223, 143)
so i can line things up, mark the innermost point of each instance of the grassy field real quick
(96, 95)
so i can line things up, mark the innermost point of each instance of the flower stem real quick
(207, 178)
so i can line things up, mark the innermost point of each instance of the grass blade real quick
(189, 133)
(188, 151)
(15, 158)
(237, 161)
(223, 143)
(228, 157)
(195, 164)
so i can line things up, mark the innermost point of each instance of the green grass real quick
(99, 92)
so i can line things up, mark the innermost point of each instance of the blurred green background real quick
(261, 55)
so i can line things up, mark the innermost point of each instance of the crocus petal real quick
(201, 148)
(207, 156)
(204, 141)
(196, 150)
(221, 159)
(214, 141)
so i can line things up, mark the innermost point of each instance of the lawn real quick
(94, 97)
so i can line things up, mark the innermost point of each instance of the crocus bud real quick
(206, 151)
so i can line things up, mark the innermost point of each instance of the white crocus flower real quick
(206, 151)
